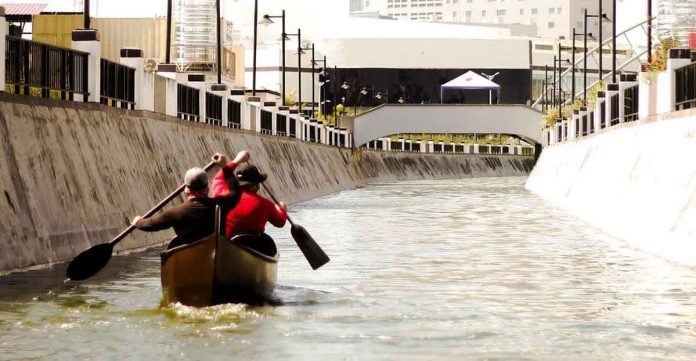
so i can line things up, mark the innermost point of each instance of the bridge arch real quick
(389, 119)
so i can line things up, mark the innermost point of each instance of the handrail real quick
(594, 51)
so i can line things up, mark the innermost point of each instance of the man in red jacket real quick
(253, 211)
(194, 218)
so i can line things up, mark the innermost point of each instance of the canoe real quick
(216, 270)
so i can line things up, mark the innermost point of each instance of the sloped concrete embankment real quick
(73, 174)
(636, 182)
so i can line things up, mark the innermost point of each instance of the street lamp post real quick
(253, 74)
(167, 51)
(322, 91)
(268, 19)
(575, 35)
(313, 85)
(600, 16)
(218, 43)
(613, 42)
(546, 80)
(649, 31)
(299, 69)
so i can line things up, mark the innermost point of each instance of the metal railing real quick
(614, 109)
(631, 103)
(234, 114)
(213, 109)
(117, 85)
(686, 87)
(266, 122)
(44, 70)
(281, 125)
(188, 103)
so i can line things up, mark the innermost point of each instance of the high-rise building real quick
(552, 18)
(675, 18)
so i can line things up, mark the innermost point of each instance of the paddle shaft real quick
(159, 206)
(276, 202)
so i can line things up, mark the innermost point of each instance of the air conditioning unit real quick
(150, 65)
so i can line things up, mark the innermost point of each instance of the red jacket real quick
(251, 213)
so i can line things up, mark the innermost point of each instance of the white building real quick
(552, 18)
(675, 18)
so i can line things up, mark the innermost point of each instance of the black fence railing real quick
(266, 122)
(117, 85)
(685, 87)
(213, 109)
(234, 114)
(188, 103)
(614, 115)
(585, 126)
(43, 70)
(631, 103)
(281, 125)
(292, 128)
(592, 123)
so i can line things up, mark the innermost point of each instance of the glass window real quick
(483, 12)
(534, 11)
(551, 25)
(552, 11)
(521, 11)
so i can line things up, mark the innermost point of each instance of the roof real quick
(470, 80)
(23, 8)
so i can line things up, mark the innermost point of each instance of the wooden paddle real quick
(311, 250)
(91, 261)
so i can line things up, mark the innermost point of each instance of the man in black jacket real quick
(195, 217)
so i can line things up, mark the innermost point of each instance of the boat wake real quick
(229, 312)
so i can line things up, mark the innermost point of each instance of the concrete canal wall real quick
(636, 181)
(72, 174)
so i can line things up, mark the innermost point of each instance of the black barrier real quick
(117, 85)
(44, 70)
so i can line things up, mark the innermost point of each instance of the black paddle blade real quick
(89, 262)
(311, 250)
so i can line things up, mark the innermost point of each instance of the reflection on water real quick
(464, 269)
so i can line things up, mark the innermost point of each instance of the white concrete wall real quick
(636, 182)
(93, 67)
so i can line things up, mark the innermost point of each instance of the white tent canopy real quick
(469, 81)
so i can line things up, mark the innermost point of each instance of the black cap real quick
(249, 174)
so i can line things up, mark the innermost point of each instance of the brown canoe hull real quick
(217, 270)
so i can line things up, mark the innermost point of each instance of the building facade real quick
(553, 19)
(675, 18)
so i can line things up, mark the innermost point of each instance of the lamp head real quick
(345, 86)
(266, 20)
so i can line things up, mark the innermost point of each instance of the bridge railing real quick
(43, 70)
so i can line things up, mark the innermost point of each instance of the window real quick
(483, 13)
(468, 16)
(454, 14)
(521, 11)
(559, 11)
(534, 11)
(500, 12)
(551, 25)
(552, 11)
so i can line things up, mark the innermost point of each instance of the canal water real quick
(461, 269)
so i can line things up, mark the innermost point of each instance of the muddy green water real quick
(466, 269)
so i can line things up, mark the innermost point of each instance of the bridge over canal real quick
(388, 119)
